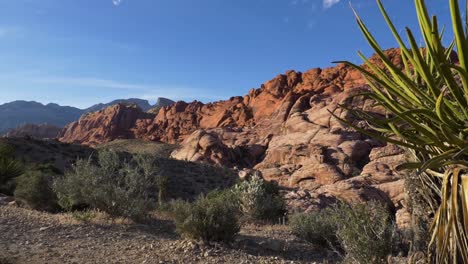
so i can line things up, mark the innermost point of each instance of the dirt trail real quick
(33, 237)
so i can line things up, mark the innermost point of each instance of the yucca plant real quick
(426, 107)
(9, 167)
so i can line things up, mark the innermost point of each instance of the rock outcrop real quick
(114, 122)
(143, 104)
(284, 129)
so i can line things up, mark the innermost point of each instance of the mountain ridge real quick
(23, 113)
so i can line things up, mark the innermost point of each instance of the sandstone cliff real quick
(284, 129)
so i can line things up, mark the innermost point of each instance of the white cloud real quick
(144, 91)
(116, 2)
(93, 82)
(329, 3)
(184, 95)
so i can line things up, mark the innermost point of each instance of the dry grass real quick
(139, 146)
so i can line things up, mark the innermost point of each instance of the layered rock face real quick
(114, 122)
(284, 129)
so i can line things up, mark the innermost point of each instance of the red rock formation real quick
(283, 129)
(114, 122)
(265, 108)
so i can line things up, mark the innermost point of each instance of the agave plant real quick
(426, 105)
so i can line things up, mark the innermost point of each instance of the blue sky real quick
(82, 52)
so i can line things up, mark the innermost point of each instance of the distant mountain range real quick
(143, 104)
(40, 131)
(20, 113)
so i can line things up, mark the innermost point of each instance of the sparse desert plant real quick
(315, 227)
(259, 200)
(213, 217)
(112, 186)
(162, 182)
(9, 169)
(427, 114)
(365, 231)
(70, 189)
(147, 164)
(34, 189)
(84, 216)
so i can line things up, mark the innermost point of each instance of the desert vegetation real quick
(211, 217)
(425, 105)
(259, 200)
(118, 188)
(218, 215)
(362, 233)
(34, 188)
(9, 169)
(348, 214)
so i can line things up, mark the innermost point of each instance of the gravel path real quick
(34, 237)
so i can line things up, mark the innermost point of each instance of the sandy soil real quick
(28, 236)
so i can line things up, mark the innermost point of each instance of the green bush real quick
(259, 200)
(365, 231)
(34, 189)
(315, 227)
(213, 217)
(119, 188)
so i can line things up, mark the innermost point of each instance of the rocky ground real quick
(34, 237)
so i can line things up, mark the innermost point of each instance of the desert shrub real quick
(119, 188)
(259, 200)
(9, 169)
(365, 231)
(315, 227)
(161, 180)
(213, 217)
(161, 183)
(83, 216)
(34, 189)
